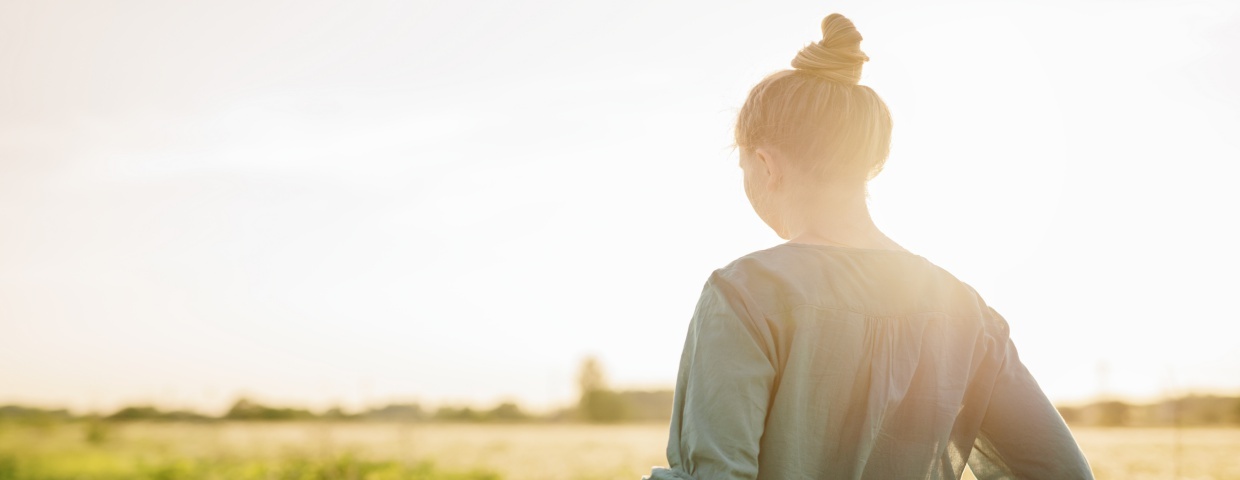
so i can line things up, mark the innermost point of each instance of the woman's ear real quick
(768, 160)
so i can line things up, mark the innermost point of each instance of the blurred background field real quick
(512, 451)
(608, 433)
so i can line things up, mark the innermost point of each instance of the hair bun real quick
(838, 56)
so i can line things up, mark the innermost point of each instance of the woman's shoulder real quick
(872, 282)
(809, 263)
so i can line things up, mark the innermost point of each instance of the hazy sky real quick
(326, 203)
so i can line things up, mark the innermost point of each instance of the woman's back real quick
(815, 361)
(839, 354)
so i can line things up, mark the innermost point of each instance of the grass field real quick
(324, 450)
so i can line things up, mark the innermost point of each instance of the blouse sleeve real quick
(722, 391)
(1022, 435)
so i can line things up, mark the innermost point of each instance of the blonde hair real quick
(817, 113)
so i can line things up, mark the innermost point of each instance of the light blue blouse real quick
(819, 362)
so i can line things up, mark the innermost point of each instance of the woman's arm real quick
(1022, 435)
(722, 392)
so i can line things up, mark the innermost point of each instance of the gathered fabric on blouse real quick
(818, 362)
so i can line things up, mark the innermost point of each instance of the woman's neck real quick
(834, 215)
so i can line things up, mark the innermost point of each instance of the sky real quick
(331, 203)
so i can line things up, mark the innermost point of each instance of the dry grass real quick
(523, 451)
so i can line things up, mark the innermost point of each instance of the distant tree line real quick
(598, 403)
(620, 406)
(1187, 411)
(248, 410)
(602, 405)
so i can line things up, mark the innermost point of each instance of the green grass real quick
(81, 451)
(108, 466)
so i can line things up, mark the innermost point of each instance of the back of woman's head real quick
(817, 114)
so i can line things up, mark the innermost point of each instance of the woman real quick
(839, 354)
